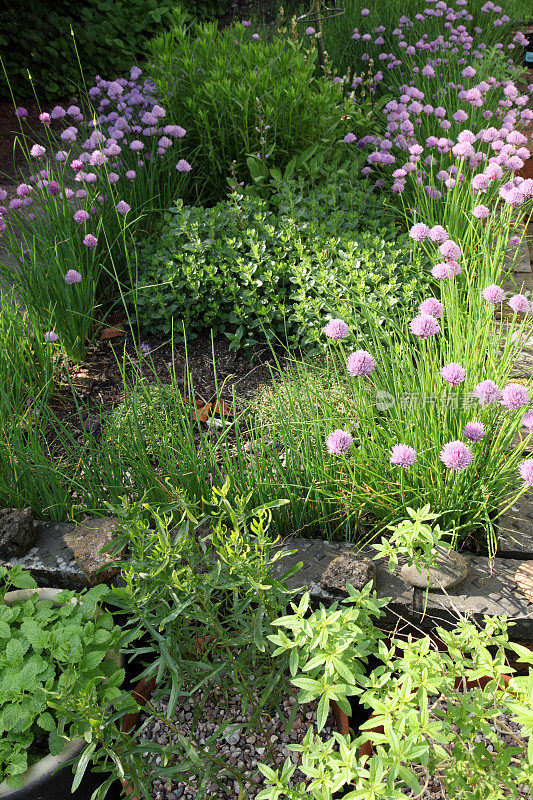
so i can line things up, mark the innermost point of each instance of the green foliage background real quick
(110, 35)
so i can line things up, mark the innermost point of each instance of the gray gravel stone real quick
(348, 568)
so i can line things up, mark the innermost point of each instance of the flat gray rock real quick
(515, 530)
(49, 560)
(450, 569)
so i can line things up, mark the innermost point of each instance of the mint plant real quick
(52, 653)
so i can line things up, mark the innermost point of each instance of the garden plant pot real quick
(46, 780)
(143, 691)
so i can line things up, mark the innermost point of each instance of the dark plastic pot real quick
(143, 691)
(48, 779)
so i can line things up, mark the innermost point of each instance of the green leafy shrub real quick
(249, 272)
(51, 652)
(110, 35)
(237, 97)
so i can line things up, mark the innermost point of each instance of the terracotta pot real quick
(143, 691)
(46, 780)
(367, 748)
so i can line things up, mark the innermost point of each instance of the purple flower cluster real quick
(339, 442)
(126, 141)
(453, 373)
(402, 456)
(443, 131)
(360, 363)
(456, 456)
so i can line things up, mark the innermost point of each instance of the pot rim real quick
(48, 764)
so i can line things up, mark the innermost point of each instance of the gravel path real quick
(240, 746)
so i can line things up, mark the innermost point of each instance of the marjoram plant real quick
(428, 708)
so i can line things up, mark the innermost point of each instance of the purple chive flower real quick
(402, 456)
(486, 392)
(51, 336)
(527, 421)
(349, 138)
(450, 250)
(89, 240)
(145, 348)
(475, 431)
(131, 174)
(339, 442)
(438, 234)
(424, 326)
(80, 216)
(481, 212)
(456, 455)
(365, 12)
(123, 207)
(53, 189)
(37, 151)
(72, 277)
(514, 241)
(526, 471)
(21, 112)
(136, 146)
(183, 166)
(453, 373)
(440, 271)
(310, 31)
(336, 329)
(419, 232)
(514, 396)
(255, 37)
(58, 112)
(44, 118)
(360, 363)
(519, 304)
(493, 294)
(431, 306)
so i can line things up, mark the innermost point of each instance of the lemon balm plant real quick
(56, 653)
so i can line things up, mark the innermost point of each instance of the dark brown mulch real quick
(99, 386)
